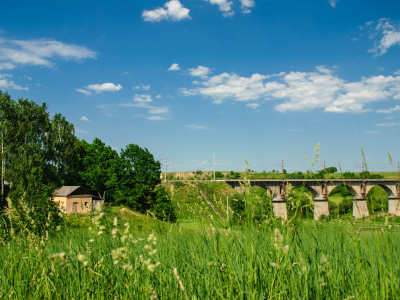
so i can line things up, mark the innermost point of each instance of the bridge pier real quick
(280, 208)
(321, 207)
(360, 208)
(394, 206)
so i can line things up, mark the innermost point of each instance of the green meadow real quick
(121, 254)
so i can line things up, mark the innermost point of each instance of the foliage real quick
(102, 169)
(346, 206)
(140, 177)
(233, 175)
(162, 206)
(141, 258)
(330, 170)
(199, 172)
(219, 174)
(332, 206)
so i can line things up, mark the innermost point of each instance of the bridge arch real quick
(314, 193)
(389, 190)
(348, 187)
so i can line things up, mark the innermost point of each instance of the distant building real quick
(75, 199)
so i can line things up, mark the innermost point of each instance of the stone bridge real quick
(320, 189)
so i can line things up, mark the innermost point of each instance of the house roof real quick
(71, 190)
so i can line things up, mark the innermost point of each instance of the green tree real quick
(162, 206)
(141, 176)
(66, 151)
(26, 130)
(219, 174)
(102, 169)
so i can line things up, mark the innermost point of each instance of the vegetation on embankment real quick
(269, 175)
(138, 257)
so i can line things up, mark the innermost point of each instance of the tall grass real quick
(272, 260)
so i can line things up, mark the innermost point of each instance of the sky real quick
(261, 79)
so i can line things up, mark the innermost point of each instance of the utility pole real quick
(214, 165)
(165, 166)
(227, 208)
(325, 184)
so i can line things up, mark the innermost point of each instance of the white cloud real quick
(80, 91)
(333, 3)
(158, 96)
(253, 105)
(156, 118)
(153, 110)
(397, 72)
(389, 110)
(246, 4)
(30, 78)
(300, 91)
(104, 87)
(144, 87)
(390, 32)
(39, 52)
(8, 84)
(173, 11)
(389, 124)
(199, 71)
(196, 127)
(174, 67)
(224, 6)
(7, 66)
(84, 118)
(142, 98)
(354, 39)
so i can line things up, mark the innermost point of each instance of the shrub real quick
(218, 174)
(346, 206)
(162, 205)
(332, 205)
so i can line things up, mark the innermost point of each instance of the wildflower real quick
(91, 240)
(101, 215)
(81, 257)
(58, 228)
(153, 252)
(100, 233)
(85, 263)
(147, 247)
(286, 249)
(102, 227)
(324, 259)
(316, 155)
(317, 147)
(152, 293)
(57, 257)
(115, 222)
(127, 267)
(126, 224)
(151, 268)
(275, 265)
(114, 231)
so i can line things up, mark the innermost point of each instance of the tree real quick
(162, 206)
(102, 169)
(25, 132)
(66, 150)
(141, 174)
(219, 174)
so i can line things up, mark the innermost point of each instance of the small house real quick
(75, 199)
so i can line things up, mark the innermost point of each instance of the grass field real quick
(121, 254)
(148, 259)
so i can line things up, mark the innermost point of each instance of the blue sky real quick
(266, 80)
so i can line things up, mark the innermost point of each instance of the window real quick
(86, 204)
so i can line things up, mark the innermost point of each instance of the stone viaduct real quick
(320, 190)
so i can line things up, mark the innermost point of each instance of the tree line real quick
(39, 153)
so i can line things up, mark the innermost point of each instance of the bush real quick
(218, 174)
(346, 206)
(162, 205)
(332, 205)
(238, 207)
